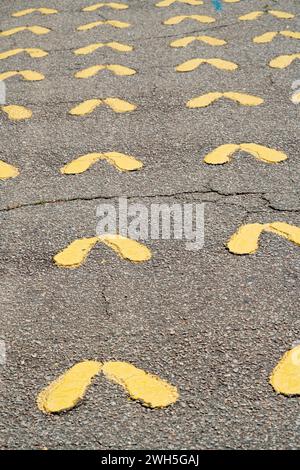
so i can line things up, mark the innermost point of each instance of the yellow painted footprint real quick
(285, 378)
(29, 11)
(254, 15)
(112, 5)
(211, 41)
(167, 3)
(29, 75)
(193, 64)
(74, 255)
(7, 171)
(116, 69)
(16, 113)
(224, 153)
(199, 18)
(117, 46)
(69, 389)
(283, 61)
(119, 160)
(95, 24)
(116, 104)
(246, 240)
(270, 35)
(38, 30)
(209, 98)
(31, 51)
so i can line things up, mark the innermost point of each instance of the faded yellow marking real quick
(167, 3)
(218, 63)
(113, 5)
(68, 389)
(283, 61)
(119, 160)
(38, 30)
(208, 98)
(7, 171)
(221, 154)
(296, 97)
(199, 18)
(77, 251)
(183, 42)
(285, 377)
(31, 51)
(291, 34)
(29, 75)
(254, 15)
(127, 248)
(17, 113)
(94, 24)
(281, 14)
(245, 240)
(119, 106)
(29, 11)
(149, 389)
(116, 104)
(290, 232)
(113, 45)
(114, 68)
(75, 254)
(224, 153)
(266, 37)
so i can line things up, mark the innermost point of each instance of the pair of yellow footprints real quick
(65, 392)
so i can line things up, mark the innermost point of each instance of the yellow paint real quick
(38, 30)
(117, 46)
(126, 248)
(32, 52)
(28, 75)
(281, 14)
(285, 378)
(66, 391)
(119, 106)
(283, 61)
(75, 254)
(116, 104)
(291, 34)
(167, 3)
(218, 63)
(254, 15)
(149, 389)
(207, 99)
(245, 240)
(183, 42)
(251, 16)
(77, 251)
(199, 18)
(224, 153)
(7, 171)
(221, 154)
(290, 232)
(94, 24)
(121, 161)
(296, 97)
(17, 113)
(113, 5)
(114, 68)
(29, 11)
(266, 37)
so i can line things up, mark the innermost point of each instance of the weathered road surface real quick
(212, 323)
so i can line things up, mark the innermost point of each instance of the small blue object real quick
(217, 4)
